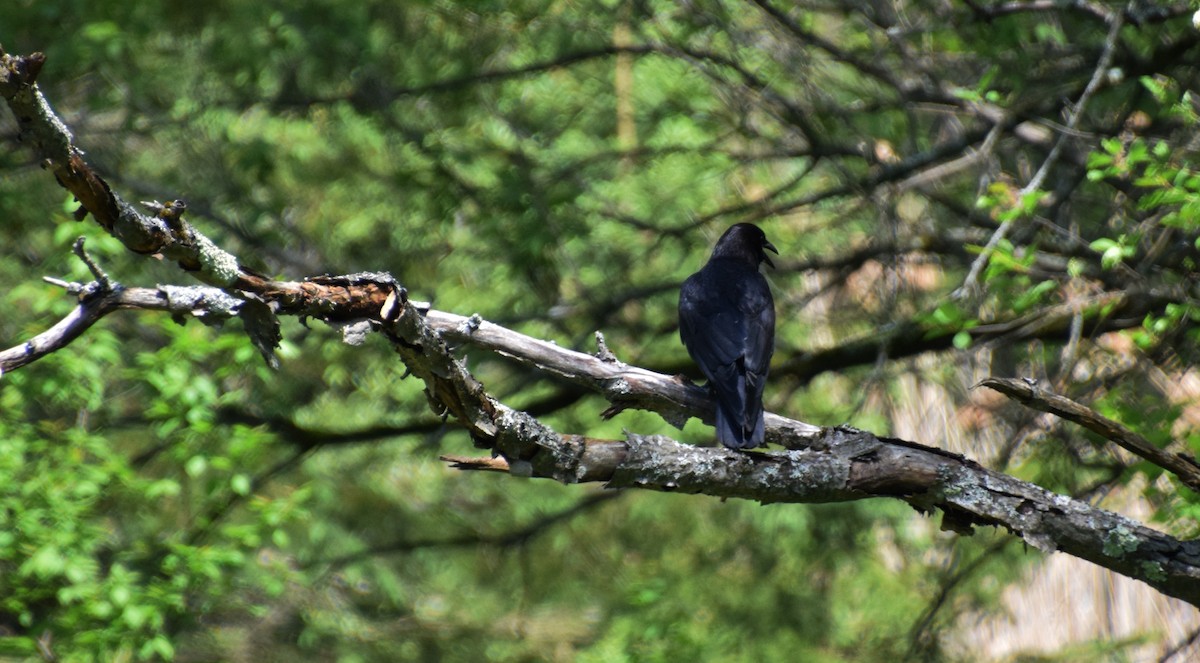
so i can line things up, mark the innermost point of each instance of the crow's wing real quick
(727, 322)
(759, 310)
(710, 323)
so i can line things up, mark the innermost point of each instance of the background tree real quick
(958, 191)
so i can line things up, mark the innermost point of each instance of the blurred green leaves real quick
(162, 493)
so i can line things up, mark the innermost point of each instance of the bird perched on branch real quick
(727, 323)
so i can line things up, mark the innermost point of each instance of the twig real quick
(602, 351)
(101, 277)
(939, 172)
(1035, 183)
(1180, 646)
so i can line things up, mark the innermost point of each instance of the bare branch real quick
(852, 465)
(203, 303)
(1183, 466)
(624, 386)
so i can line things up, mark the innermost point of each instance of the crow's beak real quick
(771, 247)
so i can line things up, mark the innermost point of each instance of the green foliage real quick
(165, 495)
(106, 548)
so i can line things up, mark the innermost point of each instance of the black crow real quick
(727, 322)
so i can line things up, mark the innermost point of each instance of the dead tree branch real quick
(200, 302)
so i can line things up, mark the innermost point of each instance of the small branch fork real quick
(818, 465)
(97, 300)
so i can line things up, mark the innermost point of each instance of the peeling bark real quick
(853, 465)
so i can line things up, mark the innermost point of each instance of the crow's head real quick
(745, 241)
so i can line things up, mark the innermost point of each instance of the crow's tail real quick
(734, 435)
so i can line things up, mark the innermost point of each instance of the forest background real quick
(958, 190)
